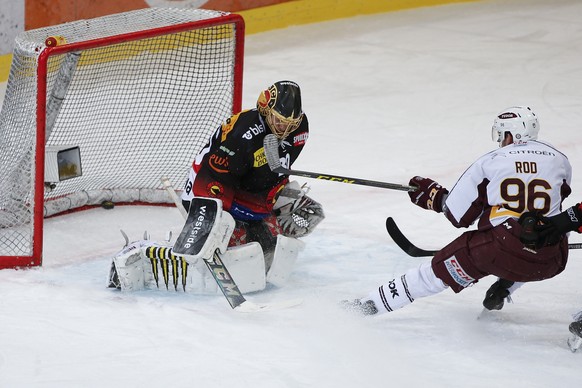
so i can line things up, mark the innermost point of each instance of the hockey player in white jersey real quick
(523, 175)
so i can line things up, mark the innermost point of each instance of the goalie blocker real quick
(147, 264)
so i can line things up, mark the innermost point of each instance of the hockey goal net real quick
(99, 110)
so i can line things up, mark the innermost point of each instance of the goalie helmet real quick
(280, 105)
(520, 121)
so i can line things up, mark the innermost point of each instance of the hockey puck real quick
(107, 205)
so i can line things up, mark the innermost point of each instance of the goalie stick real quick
(271, 146)
(414, 251)
(221, 275)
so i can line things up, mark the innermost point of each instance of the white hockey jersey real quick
(509, 181)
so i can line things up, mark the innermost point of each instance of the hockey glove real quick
(530, 235)
(429, 195)
(553, 228)
(496, 294)
(298, 214)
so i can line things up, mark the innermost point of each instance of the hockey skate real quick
(356, 305)
(575, 340)
(496, 295)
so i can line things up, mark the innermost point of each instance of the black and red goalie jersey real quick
(233, 166)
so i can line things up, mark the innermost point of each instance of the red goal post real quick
(99, 110)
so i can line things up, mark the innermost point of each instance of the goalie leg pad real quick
(207, 229)
(246, 265)
(284, 258)
(128, 269)
(149, 265)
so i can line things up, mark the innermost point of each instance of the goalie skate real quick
(575, 340)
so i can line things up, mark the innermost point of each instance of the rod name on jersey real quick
(526, 167)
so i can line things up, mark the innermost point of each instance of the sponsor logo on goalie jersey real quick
(253, 131)
(260, 159)
(226, 150)
(218, 164)
(457, 272)
(300, 139)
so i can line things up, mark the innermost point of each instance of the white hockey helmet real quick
(520, 121)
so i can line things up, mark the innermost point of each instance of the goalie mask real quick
(520, 121)
(280, 105)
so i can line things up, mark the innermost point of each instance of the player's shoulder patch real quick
(245, 125)
(229, 124)
(299, 139)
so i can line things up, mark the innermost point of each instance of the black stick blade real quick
(403, 242)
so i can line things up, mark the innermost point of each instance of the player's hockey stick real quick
(414, 251)
(405, 244)
(221, 275)
(271, 146)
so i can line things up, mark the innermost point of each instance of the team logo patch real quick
(300, 139)
(228, 126)
(267, 100)
(215, 189)
(457, 272)
(260, 159)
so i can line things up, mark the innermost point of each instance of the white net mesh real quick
(138, 110)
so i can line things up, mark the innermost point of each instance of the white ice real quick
(388, 96)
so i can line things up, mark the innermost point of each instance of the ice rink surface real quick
(388, 96)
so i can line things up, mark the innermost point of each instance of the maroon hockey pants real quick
(497, 251)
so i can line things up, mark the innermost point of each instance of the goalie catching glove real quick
(297, 213)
